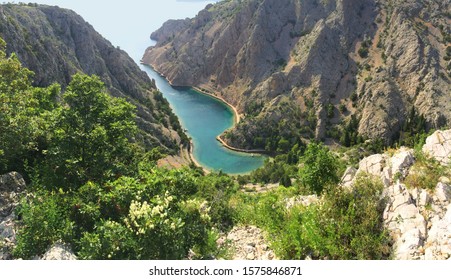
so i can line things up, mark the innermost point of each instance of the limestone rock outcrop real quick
(247, 243)
(439, 238)
(418, 219)
(438, 145)
(405, 222)
(11, 186)
(348, 176)
(59, 252)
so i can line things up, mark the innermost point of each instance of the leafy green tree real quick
(15, 134)
(23, 114)
(92, 135)
(320, 168)
(283, 145)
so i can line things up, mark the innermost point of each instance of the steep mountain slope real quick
(56, 43)
(311, 68)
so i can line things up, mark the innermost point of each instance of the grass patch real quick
(426, 172)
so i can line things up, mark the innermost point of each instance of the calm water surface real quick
(128, 24)
(205, 118)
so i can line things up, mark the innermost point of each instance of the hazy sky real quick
(128, 24)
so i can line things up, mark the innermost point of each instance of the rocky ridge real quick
(11, 186)
(418, 219)
(56, 43)
(375, 60)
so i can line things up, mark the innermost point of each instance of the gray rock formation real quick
(304, 200)
(11, 186)
(443, 192)
(372, 59)
(438, 145)
(247, 243)
(439, 238)
(405, 222)
(418, 219)
(348, 177)
(56, 43)
(400, 163)
(59, 252)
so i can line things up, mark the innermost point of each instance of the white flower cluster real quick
(144, 217)
(198, 205)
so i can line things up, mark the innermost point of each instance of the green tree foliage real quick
(350, 135)
(217, 190)
(86, 136)
(157, 214)
(88, 187)
(276, 134)
(92, 133)
(320, 168)
(15, 134)
(24, 114)
(46, 221)
(363, 50)
(330, 110)
(277, 170)
(413, 130)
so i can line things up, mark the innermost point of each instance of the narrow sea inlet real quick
(204, 118)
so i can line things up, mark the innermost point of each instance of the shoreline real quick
(259, 152)
(236, 115)
(236, 118)
(193, 159)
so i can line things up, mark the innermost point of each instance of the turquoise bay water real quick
(128, 25)
(204, 118)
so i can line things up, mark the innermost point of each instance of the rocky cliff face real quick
(418, 210)
(12, 185)
(372, 60)
(57, 43)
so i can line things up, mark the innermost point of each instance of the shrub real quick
(347, 225)
(320, 168)
(342, 108)
(425, 173)
(330, 110)
(363, 52)
(45, 221)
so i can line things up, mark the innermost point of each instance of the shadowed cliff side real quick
(56, 43)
